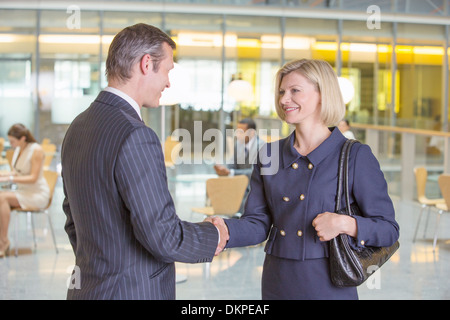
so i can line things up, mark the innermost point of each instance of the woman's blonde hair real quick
(323, 77)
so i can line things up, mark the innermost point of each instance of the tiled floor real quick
(414, 272)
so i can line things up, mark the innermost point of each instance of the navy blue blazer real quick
(287, 191)
(121, 219)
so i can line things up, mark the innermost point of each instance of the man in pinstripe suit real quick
(121, 219)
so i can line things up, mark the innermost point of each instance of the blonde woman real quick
(32, 189)
(293, 207)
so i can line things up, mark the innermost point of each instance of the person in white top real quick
(344, 127)
(27, 173)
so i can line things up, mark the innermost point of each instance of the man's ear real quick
(146, 63)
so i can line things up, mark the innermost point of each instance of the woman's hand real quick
(224, 235)
(329, 225)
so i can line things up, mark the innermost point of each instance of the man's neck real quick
(128, 88)
(126, 97)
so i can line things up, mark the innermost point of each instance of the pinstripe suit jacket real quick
(121, 219)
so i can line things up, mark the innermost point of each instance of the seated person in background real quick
(32, 189)
(245, 153)
(344, 127)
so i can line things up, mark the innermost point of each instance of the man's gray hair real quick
(130, 45)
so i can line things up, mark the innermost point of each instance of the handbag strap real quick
(343, 175)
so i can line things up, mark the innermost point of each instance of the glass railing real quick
(400, 150)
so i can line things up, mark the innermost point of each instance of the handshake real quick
(224, 236)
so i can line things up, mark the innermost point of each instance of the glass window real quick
(419, 59)
(311, 39)
(366, 61)
(73, 19)
(434, 7)
(18, 21)
(114, 21)
(420, 98)
(17, 60)
(363, 5)
(69, 67)
(16, 102)
(73, 45)
(254, 49)
(420, 34)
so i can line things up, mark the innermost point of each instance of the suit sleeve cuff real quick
(360, 240)
(218, 233)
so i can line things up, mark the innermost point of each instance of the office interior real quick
(393, 53)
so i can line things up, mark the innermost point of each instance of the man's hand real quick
(221, 170)
(220, 224)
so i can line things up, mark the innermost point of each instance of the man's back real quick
(97, 210)
(121, 219)
(116, 194)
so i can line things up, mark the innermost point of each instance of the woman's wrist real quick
(349, 226)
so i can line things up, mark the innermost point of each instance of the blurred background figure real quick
(344, 127)
(245, 152)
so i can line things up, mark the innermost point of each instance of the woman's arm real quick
(377, 227)
(329, 225)
(37, 161)
(253, 227)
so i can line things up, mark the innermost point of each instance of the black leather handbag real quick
(350, 267)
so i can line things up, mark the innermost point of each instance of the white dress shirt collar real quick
(127, 98)
(251, 142)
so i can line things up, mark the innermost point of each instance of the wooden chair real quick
(9, 156)
(444, 186)
(51, 177)
(172, 150)
(3, 161)
(225, 194)
(49, 151)
(426, 203)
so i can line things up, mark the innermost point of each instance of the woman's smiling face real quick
(299, 98)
